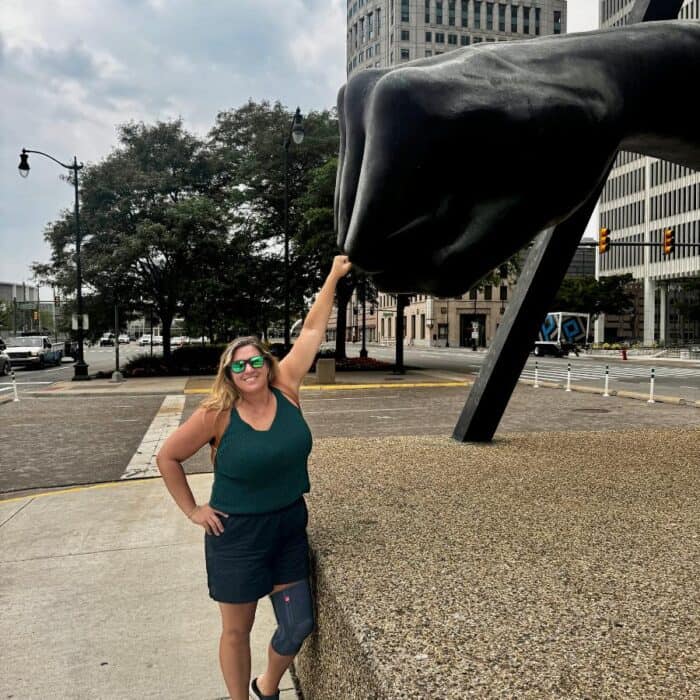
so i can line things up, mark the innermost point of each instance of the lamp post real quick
(363, 350)
(80, 368)
(296, 134)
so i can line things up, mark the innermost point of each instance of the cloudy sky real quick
(70, 70)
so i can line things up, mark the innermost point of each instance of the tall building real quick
(384, 33)
(642, 197)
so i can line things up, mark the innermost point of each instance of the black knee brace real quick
(295, 617)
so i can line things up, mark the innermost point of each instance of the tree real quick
(150, 217)
(247, 144)
(608, 295)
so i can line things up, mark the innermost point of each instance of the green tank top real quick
(258, 471)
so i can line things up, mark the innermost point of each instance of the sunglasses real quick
(256, 362)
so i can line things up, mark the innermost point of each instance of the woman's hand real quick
(341, 267)
(207, 517)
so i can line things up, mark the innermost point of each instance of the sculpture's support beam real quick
(541, 277)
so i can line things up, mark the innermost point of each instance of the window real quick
(477, 40)
(439, 38)
(477, 14)
(404, 11)
(427, 11)
(378, 17)
(452, 39)
(489, 15)
(370, 28)
(504, 293)
(362, 30)
(428, 53)
(472, 294)
(465, 13)
(361, 57)
(526, 20)
(464, 40)
(537, 20)
(413, 325)
(438, 11)
(514, 19)
(501, 18)
(369, 52)
(428, 36)
(405, 35)
(557, 21)
(404, 55)
(422, 326)
(451, 12)
(488, 292)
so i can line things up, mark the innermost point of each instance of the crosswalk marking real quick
(166, 421)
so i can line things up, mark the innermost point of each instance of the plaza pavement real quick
(102, 588)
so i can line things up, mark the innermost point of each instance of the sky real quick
(72, 70)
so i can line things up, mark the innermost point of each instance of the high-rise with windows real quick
(385, 33)
(642, 197)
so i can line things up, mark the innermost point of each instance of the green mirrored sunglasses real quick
(256, 362)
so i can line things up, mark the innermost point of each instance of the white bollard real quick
(536, 385)
(14, 385)
(568, 377)
(607, 376)
(651, 388)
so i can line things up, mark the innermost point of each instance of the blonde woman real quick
(255, 520)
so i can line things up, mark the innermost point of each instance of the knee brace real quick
(295, 618)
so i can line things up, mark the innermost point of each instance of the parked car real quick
(144, 340)
(179, 340)
(123, 339)
(5, 364)
(107, 339)
(157, 339)
(33, 351)
(2, 344)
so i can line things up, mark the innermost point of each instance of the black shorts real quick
(256, 552)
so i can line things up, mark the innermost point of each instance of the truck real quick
(33, 351)
(562, 332)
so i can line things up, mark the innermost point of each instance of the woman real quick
(255, 520)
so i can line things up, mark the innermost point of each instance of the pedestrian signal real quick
(604, 240)
(35, 315)
(669, 241)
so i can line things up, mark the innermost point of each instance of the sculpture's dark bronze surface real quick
(451, 164)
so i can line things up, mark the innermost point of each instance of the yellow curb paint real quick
(336, 387)
(75, 489)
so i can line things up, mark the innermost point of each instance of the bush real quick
(192, 360)
(187, 360)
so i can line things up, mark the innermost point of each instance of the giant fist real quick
(449, 165)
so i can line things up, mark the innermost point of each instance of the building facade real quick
(642, 197)
(385, 33)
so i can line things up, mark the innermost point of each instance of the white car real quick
(144, 340)
(157, 339)
(123, 339)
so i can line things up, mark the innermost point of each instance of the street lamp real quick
(80, 368)
(296, 133)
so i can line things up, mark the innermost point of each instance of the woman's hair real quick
(224, 392)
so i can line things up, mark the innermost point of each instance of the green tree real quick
(248, 148)
(150, 216)
(608, 295)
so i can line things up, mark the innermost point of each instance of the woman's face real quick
(251, 379)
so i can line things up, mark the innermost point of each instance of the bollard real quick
(536, 385)
(651, 388)
(14, 385)
(607, 376)
(568, 377)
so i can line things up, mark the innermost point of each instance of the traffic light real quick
(604, 240)
(669, 241)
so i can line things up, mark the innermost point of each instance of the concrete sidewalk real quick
(104, 596)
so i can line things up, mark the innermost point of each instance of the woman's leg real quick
(277, 664)
(234, 647)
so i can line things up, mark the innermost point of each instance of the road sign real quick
(27, 305)
(74, 322)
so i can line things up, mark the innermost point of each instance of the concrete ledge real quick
(547, 565)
